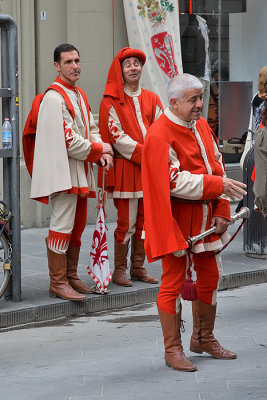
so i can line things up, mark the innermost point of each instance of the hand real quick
(106, 161)
(221, 224)
(107, 149)
(233, 188)
(179, 253)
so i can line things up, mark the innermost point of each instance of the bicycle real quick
(5, 248)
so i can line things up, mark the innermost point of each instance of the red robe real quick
(125, 177)
(165, 234)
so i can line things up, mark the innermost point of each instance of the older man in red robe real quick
(186, 192)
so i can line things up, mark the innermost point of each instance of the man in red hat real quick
(126, 112)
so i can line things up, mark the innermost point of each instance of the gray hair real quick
(180, 83)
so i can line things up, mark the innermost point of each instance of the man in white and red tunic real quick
(65, 147)
(186, 192)
(126, 112)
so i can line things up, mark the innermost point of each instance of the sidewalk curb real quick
(35, 315)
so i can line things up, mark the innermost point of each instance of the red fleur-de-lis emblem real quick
(68, 134)
(173, 171)
(164, 52)
(99, 252)
(113, 129)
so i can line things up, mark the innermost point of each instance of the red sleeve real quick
(137, 154)
(222, 209)
(95, 153)
(212, 187)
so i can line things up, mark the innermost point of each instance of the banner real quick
(153, 27)
(98, 267)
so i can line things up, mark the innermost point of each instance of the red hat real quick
(114, 85)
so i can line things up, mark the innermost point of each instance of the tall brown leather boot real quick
(59, 285)
(120, 264)
(174, 353)
(72, 265)
(137, 270)
(202, 339)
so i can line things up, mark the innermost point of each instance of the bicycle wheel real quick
(5, 260)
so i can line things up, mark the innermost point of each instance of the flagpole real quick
(103, 182)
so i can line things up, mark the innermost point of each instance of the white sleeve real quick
(183, 184)
(121, 142)
(78, 147)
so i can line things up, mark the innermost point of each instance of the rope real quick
(232, 238)
(189, 289)
(210, 253)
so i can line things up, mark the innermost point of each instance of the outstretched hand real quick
(233, 189)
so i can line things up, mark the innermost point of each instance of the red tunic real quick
(165, 234)
(124, 180)
(125, 177)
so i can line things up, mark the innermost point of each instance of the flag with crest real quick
(98, 267)
(153, 27)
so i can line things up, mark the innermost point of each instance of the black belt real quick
(187, 201)
(117, 155)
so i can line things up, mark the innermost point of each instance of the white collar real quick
(169, 114)
(132, 94)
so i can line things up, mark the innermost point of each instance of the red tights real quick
(208, 271)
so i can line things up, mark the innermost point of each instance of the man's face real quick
(69, 67)
(190, 107)
(131, 70)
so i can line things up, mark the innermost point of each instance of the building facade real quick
(97, 28)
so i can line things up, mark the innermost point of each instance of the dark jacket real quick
(193, 49)
(260, 184)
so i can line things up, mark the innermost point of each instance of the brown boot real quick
(202, 338)
(174, 353)
(59, 285)
(72, 265)
(137, 270)
(120, 264)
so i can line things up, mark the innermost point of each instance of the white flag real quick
(98, 267)
(153, 27)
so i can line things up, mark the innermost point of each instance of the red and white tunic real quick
(125, 126)
(64, 147)
(190, 167)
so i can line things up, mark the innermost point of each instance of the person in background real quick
(62, 171)
(126, 112)
(256, 113)
(260, 156)
(258, 99)
(186, 192)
